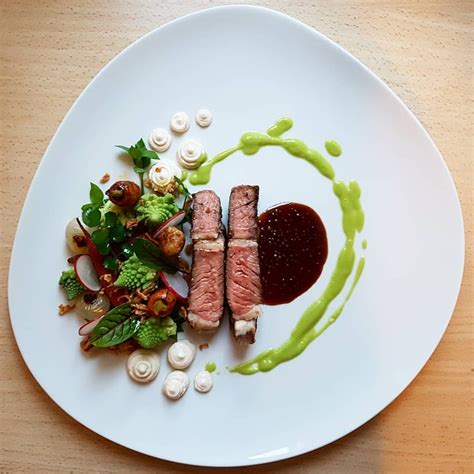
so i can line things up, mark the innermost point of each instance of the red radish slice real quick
(88, 327)
(173, 220)
(85, 273)
(176, 283)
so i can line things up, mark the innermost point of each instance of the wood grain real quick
(51, 49)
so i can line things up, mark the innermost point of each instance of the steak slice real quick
(207, 214)
(206, 289)
(243, 286)
(243, 212)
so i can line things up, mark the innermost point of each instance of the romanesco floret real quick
(70, 284)
(155, 331)
(134, 274)
(155, 210)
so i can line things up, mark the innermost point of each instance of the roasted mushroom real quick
(124, 193)
(171, 241)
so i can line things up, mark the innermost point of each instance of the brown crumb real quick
(188, 250)
(139, 309)
(147, 183)
(107, 278)
(65, 308)
(105, 178)
(86, 344)
(203, 346)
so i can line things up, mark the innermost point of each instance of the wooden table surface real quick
(51, 49)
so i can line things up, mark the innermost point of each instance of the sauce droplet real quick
(211, 367)
(333, 148)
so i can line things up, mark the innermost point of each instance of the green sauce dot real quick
(333, 148)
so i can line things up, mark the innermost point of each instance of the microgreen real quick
(183, 189)
(141, 156)
(91, 215)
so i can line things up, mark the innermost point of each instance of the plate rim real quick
(269, 11)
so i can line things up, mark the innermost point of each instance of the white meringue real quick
(159, 140)
(143, 365)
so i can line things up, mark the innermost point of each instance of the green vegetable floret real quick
(155, 331)
(135, 275)
(70, 284)
(155, 210)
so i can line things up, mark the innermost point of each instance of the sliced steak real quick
(243, 286)
(206, 289)
(207, 214)
(243, 212)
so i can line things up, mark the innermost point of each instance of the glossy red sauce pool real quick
(293, 248)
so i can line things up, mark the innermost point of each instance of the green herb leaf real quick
(151, 256)
(138, 170)
(115, 327)
(103, 248)
(91, 216)
(110, 263)
(110, 219)
(117, 233)
(124, 148)
(100, 236)
(182, 188)
(95, 194)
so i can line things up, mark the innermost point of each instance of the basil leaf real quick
(91, 216)
(115, 327)
(138, 170)
(95, 194)
(151, 256)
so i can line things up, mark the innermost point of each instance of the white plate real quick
(250, 66)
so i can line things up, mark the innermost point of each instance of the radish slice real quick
(88, 327)
(85, 273)
(173, 220)
(176, 283)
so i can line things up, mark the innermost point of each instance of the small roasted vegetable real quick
(134, 275)
(154, 210)
(155, 331)
(75, 238)
(124, 193)
(161, 303)
(171, 241)
(92, 305)
(70, 284)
